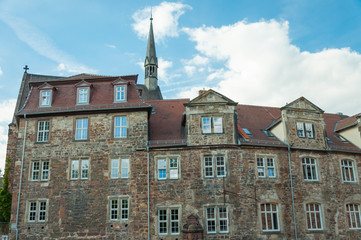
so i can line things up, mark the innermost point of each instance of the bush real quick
(5, 196)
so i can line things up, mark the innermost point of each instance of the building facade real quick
(100, 157)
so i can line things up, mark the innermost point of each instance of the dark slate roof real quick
(150, 94)
(166, 122)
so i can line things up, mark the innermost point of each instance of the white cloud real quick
(7, 110)
(42, 44)
(192, 65)
(1, 71)
(110, 46)
(189, 70)
(257, 64)
(165, 23)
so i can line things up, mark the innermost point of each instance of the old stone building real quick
(100, 157)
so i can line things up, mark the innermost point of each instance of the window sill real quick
(311, 231)
(44, 106)
(41, 142)
(271, 232)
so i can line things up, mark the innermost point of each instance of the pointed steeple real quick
(151, 62)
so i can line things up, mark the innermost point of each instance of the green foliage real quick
(5, 196)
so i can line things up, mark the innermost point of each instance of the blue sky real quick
(255, 52)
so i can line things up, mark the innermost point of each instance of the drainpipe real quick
(148, 189)
(293, 199)
(21, 177)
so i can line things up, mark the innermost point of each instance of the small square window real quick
(212, 125)
(79, 169)
(266, 167)
(123, 171)
(40, 170)
(219, 170)
(118, 208)
(305, 130)
(217, 220)
(168, 168)
(37, 210)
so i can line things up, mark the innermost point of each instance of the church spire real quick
(151, 61)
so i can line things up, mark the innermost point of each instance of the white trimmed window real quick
(212, 125)
(168, 168)
(81, 132)
(120, 93)
(119, 168)
(314, 216)
(37, 211)
(120, 127)
(217, 220)
(118, 208)
(79, 169)
(214, 166)
(40, 170)
(348, 171)
(169, 221)
(305, 130)
(43, 131)
(45, 98)
(309, 166)
(269, 217)
(266, 167)
(83, 95)
(353, 216)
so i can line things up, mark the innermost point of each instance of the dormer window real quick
(120, 90)
(83, 93)
(305, 130)
(212, 125)
(45, 96)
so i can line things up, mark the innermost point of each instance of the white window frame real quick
(264, 168)
(300, 129)
(36, 211)
(45, 98)
(274, 217)
(305, 130)
(43, 131)
(215, 219)
(79, 169)
(120, 208)
(81, 127)
(81, 92)
(120, 93)
(120, 126)
(310, 170)
(119, 168)
(40, 170)
(212, 125)
(314, 216)
(171, 224)
(309, 130)
(348, 167)
(213, 166)
(168, 167)
(353, 215)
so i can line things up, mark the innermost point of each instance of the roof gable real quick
(303, 104)
(46, 86)
(210, 97)
(120, 81)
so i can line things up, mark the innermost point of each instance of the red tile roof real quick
(166, 123)
(347, 122)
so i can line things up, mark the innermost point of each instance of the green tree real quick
(5, 196)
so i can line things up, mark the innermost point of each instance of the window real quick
(120, 93)
(118, 208)
(314, 217)
(39, 170)
(81, 132)
(119, 167)
(309, 166)
(120, 127)
(37, 211)
(168, 221)
(305, 130)
(45, 98)
(348, 171)
(217, 219)
(220, 166)
(43, 131)
(266, 167)
(353, 216)
(168, 168)
(269, 217)
(79, 169)
(212, 125)
(83, 95)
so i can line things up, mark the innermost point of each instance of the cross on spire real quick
(26, 68)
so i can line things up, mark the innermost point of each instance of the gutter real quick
(21, 178)
(148, 190)
(292, 196)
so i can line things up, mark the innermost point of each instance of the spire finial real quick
(151, 13)
(26, 68)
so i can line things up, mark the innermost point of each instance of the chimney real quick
(200, 92)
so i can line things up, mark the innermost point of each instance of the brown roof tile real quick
(347, 122)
